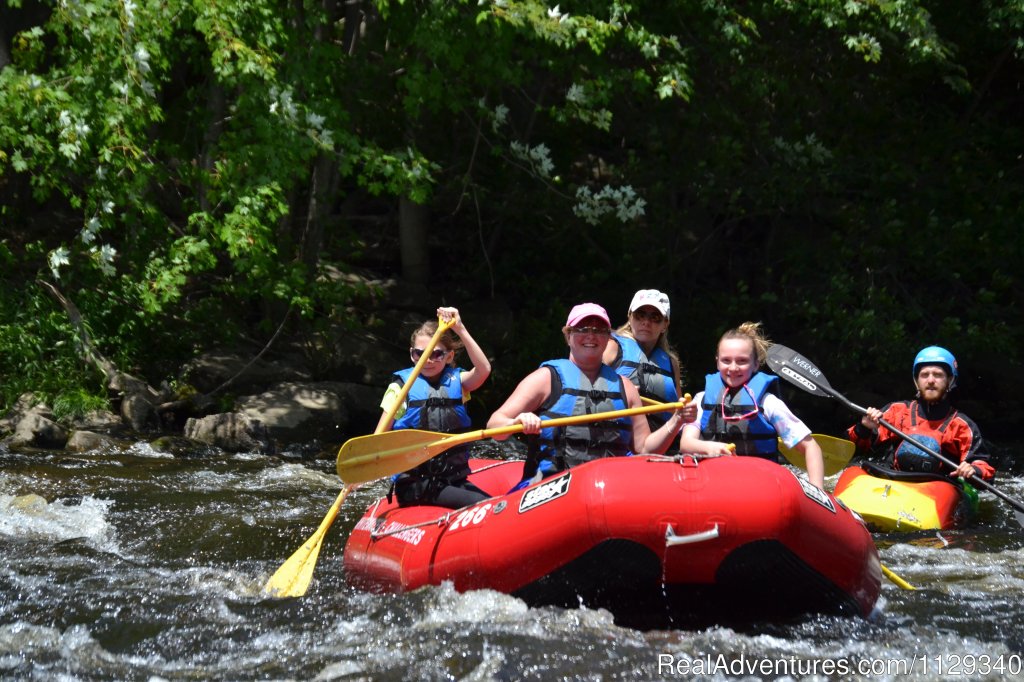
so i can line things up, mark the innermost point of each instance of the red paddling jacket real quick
(938, 426)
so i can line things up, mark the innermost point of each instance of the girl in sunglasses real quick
(740, 407)
(436, 402)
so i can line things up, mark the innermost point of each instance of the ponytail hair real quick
(753, 332)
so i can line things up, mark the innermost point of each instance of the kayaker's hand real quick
(688, 413)
(965, 470)
(871, 419)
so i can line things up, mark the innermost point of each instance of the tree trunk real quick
(413, 225)
(323, 186)
(138, 399)
(216, 106)
(5, 55)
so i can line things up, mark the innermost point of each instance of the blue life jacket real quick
(651, 374)
(573, 394)
(750, 430)
(909, 457)
(434, 405)
(437, 406)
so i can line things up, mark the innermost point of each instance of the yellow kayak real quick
(890, 500)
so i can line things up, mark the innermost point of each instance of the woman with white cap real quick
(581, 384)
(639, 350)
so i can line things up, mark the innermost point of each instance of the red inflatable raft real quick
(657, 541)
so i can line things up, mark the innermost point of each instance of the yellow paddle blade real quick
(367, 458)
(835, 451)
(295, 574)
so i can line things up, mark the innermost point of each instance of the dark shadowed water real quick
(142, 566)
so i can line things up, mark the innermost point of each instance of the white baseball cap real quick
(651, 297)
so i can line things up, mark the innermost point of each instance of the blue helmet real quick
(936, 355)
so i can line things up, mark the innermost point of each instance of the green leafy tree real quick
(841, 170)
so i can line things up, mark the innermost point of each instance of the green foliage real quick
(845, 170)
(37, 349)
(76, 403)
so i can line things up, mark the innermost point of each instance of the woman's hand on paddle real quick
(688, 413)
(531, 422)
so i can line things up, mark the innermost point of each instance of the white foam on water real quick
(74, 649)
(290, 476)
(466, 633)
(248, 456)
(144, 449)
(450, 606)
(30, 517)
(956, 570)
(230, 584)
(344, 670)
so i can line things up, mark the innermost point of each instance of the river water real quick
(139, 565)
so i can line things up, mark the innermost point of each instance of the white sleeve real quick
(790, 429)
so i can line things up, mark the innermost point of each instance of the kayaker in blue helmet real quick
(929, 418)
(580, 384)
(436, 402)
(639, 350)
(740, 407)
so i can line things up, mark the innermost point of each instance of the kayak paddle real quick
(801, 372)
(835, 451)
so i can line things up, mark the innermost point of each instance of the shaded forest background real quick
(192, 174)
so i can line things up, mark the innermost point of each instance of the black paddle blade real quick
(798, 370)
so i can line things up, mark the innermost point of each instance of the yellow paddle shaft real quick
(367, 458)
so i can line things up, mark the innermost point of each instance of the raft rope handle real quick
(681, 458)
(497, 464)
(439, 521)
(671, 539)
(444, 519)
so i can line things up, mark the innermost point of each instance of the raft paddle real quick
(293, 577)
(896, 580)
(367, 458)
(801, 372)
(835, 451)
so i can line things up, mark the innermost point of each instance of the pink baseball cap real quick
(584, 310)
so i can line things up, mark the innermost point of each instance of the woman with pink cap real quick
(580, 384)
(639, 350)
